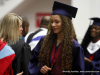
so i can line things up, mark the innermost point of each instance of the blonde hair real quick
(9, 28)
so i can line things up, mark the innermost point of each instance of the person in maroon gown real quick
(58, 52)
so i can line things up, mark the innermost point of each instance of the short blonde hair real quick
(9, 28)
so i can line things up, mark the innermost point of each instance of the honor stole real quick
(54, 55)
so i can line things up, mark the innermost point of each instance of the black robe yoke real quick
(22, 58)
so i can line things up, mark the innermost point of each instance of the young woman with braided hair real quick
(91, 46)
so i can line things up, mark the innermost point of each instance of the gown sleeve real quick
(78, 58)
(96, 65)
(96, 61)
(23, 55)
(25, 58)
(34, 68)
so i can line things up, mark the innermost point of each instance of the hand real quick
(87, 60)
(20, 73)
(45, 69)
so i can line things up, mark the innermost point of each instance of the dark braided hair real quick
(86, 40)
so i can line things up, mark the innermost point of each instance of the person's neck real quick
(59, 38)
(94, 40)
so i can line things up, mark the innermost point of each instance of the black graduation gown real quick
(22, 58)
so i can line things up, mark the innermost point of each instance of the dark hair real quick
(25, 21)
(45, 21)
(86, 40)
(25, 25)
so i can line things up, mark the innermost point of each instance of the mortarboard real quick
(96, 21)
(64, 9)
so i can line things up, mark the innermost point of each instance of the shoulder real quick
(8, 48)
(42, 32)
(23, 45)
(18, 44)
(6, 51)
(75, 43)
(21, 48)
(77, 51)
(39, 44)
(28, 35)
(76, 46)
(41, 40)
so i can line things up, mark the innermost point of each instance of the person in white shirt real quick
(33, 38)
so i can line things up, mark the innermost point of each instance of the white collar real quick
(93, 47)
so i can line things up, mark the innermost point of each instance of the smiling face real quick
(95, 31)
(56, 24)
(20, 28)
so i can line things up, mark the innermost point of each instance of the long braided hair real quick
(68, 34)
(86, 40)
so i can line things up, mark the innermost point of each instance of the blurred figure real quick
(91, 46)
(33, 38)
(58, 52)
(23, 55)
(9, 34)
(25, 26)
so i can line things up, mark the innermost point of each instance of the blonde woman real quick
(9, 34)
(23, 54)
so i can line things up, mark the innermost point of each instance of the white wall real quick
(86, 10)
(7, 6)
(31, 7)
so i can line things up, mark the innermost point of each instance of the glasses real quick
(96, 28)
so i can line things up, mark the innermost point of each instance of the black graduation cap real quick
(96, 21)
(64, 9)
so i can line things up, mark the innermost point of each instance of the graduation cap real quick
(96, 21)
(64, 9)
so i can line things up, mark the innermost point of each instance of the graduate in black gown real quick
(58, 52)
(22, 55)
(91, 46)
